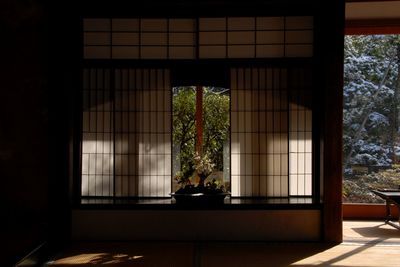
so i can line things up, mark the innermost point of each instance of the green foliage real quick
(357, 188)
(216, 125)
(371, 104)
(216, 108)
(371, 114)
(184, 128)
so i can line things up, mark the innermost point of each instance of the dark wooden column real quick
(330, 49)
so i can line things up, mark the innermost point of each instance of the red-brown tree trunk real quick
(199, 120)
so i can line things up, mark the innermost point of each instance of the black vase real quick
(200, 198)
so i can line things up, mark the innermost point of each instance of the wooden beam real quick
(372, 26)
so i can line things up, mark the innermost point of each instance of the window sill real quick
(229, 204)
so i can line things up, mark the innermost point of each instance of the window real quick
(205, 38)
(130, 149)
(126, 135)
(201, 122)
(140, 128)
(271, 132)
(371, 116)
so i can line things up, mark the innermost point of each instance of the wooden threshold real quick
(367, 211)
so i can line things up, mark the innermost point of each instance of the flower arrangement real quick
(202, 167)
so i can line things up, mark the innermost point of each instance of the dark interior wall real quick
(193, 8)
(34, 127)
(23, 132)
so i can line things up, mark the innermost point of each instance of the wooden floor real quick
(365, 244)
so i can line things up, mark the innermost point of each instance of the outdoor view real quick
(201, 127)
(371, 123)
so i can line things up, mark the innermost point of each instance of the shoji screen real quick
(134, 38)
(97, 134)
(126, 142)
(142, 132)
(300, 131)
(259, 132)
(255, 37)
(271, 131)
(191, 38)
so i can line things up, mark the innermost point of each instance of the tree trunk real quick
(199, 119)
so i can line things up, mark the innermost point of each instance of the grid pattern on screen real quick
(142, 132)
(126, 139)
(225, 37)
(256, 37)
(139, 38)
(259, 147)
(271, 129)
(97, 134)
(300, 133)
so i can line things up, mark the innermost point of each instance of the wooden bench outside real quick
(392, 197)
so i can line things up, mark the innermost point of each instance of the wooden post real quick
(329, 48)
(199, 119)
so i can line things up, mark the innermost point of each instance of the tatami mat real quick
(365, 244)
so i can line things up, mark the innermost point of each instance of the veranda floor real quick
(365, 243)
